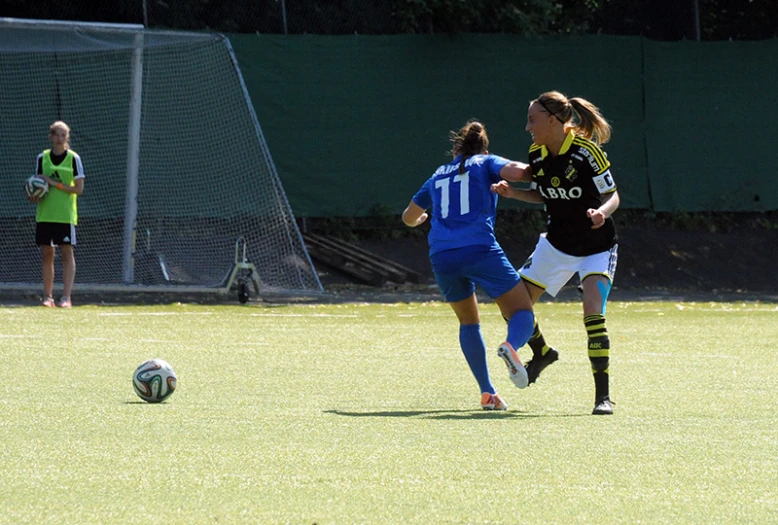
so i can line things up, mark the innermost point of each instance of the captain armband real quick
(604, 182)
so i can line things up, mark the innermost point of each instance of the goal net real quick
(180, 188)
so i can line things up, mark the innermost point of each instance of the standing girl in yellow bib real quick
(57, 214)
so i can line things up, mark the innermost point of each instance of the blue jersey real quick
(463, 206)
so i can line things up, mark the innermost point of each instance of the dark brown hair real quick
(470, 140)
(583, 117)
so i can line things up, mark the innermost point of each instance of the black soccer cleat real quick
(537, 364)
(603, 406)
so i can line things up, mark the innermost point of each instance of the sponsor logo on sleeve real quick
(589, 157)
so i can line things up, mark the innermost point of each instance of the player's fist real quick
(597, 217)
(501, 188)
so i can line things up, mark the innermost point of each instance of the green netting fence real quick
(356, 123)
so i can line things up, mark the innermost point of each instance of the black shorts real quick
(55, 234)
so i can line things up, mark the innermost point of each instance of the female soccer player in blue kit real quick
(464, 251)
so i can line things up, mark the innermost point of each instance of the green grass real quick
(364, 413)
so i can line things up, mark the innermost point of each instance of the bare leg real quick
(47, 253)
(68, 269)
(467, 310)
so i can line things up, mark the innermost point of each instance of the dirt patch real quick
(734, 262)
(652, 263)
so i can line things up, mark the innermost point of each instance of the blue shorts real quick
(458, 271)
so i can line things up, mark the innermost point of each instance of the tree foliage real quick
(656, 19)
(526, 17)
(739, 19)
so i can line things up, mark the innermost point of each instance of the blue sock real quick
(520, 327)
(474, 348)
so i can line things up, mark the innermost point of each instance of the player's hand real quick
(422, 218)
(502, 188)
(597, 217)
(33, 200)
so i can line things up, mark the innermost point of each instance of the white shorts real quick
(550, 269)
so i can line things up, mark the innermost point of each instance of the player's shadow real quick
(449, 414)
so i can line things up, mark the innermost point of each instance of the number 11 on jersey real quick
(444, 185)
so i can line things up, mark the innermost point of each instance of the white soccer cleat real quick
(493, 402)
(515, 368)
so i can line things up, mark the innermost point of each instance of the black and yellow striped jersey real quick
(571, 183)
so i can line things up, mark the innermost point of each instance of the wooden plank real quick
(357, 262)
(395, 272)
(335, 258)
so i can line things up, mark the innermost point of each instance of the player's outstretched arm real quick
(414, 215)
(503, 189)
(516, 172)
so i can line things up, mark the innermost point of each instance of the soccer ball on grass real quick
(154, 380)
(36, 187)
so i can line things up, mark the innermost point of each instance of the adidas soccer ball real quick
(154, 380)
(36, 187)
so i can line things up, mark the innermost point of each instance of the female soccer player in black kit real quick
(573, 175)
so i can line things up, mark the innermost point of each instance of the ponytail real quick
(590, 122)
(470, 140)
(578, 114)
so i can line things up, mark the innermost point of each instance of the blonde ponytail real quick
(578, 114)
(590, 122)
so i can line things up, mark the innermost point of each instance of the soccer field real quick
(367, 413)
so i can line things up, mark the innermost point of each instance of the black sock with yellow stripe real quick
(599, 352)
(537, 342)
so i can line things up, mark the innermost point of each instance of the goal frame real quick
(236, 277)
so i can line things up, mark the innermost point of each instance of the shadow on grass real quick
(450, 414)
(139, 402)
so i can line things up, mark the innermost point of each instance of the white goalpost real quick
(181, 193)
